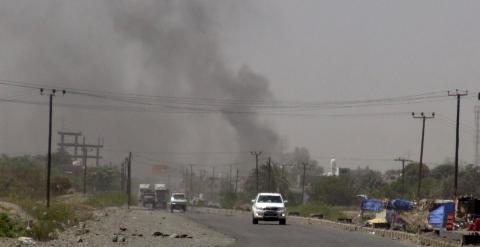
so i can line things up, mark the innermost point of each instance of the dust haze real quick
(167, 48)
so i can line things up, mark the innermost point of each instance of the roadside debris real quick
(161, 234)
(82, 229)
(26, 241)
(316, 216)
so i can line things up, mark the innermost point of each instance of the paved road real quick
(293, 234)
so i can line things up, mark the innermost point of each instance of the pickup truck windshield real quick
(271, 199)
(179, 197)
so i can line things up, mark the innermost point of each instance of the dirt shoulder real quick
(136, 227)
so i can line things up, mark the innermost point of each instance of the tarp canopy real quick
(372, 205)
(438, 214)
(400, 205)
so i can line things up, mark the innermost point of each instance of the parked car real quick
(269, 207)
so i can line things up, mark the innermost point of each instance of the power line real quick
(222, 104)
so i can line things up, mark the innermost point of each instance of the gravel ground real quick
(137, 227)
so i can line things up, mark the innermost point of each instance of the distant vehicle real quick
(146, 196)
(148, 199)
(141, 189)
(178, 201)
(161, 196)
(269, 207)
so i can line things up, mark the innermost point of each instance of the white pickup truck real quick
(178, 201)
(269, 207)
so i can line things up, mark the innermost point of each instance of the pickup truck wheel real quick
(254, 221)
(282, 222)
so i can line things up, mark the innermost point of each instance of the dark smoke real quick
(158, 47)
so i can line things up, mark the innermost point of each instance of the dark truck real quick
(161, 196)
(146, 196)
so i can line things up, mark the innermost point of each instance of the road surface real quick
(293, 234)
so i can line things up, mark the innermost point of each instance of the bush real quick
(57, 217)
(11, 228)
(60, 185)
(107, 199)
(227, 199)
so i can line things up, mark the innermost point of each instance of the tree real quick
(60, 185)
(334, 191)
(103, 178)
(271, 179)
(468, 180)
(443, 171)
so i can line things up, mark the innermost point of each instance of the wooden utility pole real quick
(423, 117)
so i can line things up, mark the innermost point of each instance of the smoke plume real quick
(155, 47)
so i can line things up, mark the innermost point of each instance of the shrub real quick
(329, 212)
(107, 199)
(57, 217)
(11, 228)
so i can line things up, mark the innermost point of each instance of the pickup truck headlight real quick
(259, 208)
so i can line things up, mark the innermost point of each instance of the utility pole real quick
(236, 182)
(213, 183)
(129, 180)
(191, 181)
(403, 160)
(303, 180)
(423, 117)
(256, 165)
(477, 134)
(458, 94)
(269, 169)
(122, 177)
(84, 152)
(230, 179)
(125, 174)
(49, 155)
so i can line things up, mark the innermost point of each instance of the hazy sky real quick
(340, 50)
(309, 51)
